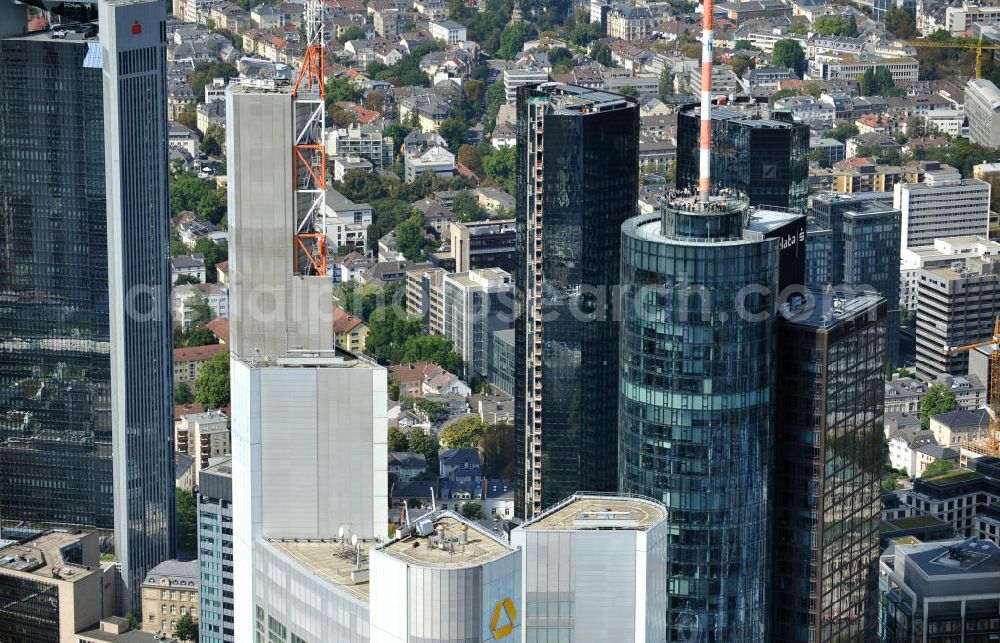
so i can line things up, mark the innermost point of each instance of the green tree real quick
(601, 53)
(666, 87)
(393, 390)
(789, 53)
(354, 32)
(361, 186)
(186, 517)
(781, 93)
(741, 64)
(798, 29)
(937, 467)
(500, 166)
(469, 156)
(584, 33)
(901, 22)
(474, 91)
(455, 132)
(875, 82)
(472, 511)
(397, 131)
(628, 90)
(342, 89)
(201, 336)
(410, 239)
(388, 332)
(213, 142)
(562, 60)
(397, 440)
(938, 399)
(184, 280)
(133, 622)
(182, 394)
(463, 433)
(205, 72)
(425, 444)
(494, 99)
(466, 207)
(186, 629)
(434, 410)
(214, 253)
(431, 348)
(188, 116)
(843, 131)
(512, 40)
(836, 26)
(744, 45)
(496, 447)
(212, 384)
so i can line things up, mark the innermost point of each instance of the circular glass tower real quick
(696, 391)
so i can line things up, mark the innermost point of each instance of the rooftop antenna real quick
(705, 153)
(433, 504)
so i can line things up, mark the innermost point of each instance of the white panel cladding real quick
(605, 585)
(651, 589)
(502, 580)
(245, 386)
(389, 610)
(289, 473)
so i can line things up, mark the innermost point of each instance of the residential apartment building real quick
(436, 160)
(425, 297)
(577, 152)
(944, 205)
(520, 77)
(204, 437)
(831, 362)
(958, 305)
(365, 141)
(189, 361)
(982, 108)
(943, 253)
(477, 303)
(215, 553)
(350, 332)
(958, 20)
(447, 30)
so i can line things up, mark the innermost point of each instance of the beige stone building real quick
(54, 585)
(169, 592)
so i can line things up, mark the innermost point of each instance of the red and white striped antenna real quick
(705, 146)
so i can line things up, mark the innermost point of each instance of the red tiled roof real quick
(187, 409)
(197, 353)
(412, 372)
(343, 321)
(220, 328)
(222, 266)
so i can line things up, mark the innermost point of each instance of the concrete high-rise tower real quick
(87, 437)
(699, 295)
(577, 156)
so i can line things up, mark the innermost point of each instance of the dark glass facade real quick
(29, 610)
(696, 418)
(827, 469)
(576, 157)
(55, 369)
(766, 159)
(141, 335)
(862, 251)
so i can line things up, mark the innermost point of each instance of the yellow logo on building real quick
(507, 606)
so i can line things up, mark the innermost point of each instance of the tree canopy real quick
(836, 26)
(789, 53)
(512, 40)
(212, 384)
(901, 22)
(188, 192)
(937, 467)
(205, 72)
(463, 433)
(938, 399)
(397, 440)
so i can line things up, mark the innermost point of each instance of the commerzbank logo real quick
(503, 612)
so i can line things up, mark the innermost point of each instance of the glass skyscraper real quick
(577, 156)
(827, 477)
(55, 365)
(765, 158)
(859, 236)
(86, 431)
(696, 407)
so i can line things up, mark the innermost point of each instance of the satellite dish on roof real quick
(340, 532)
(354, 540)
